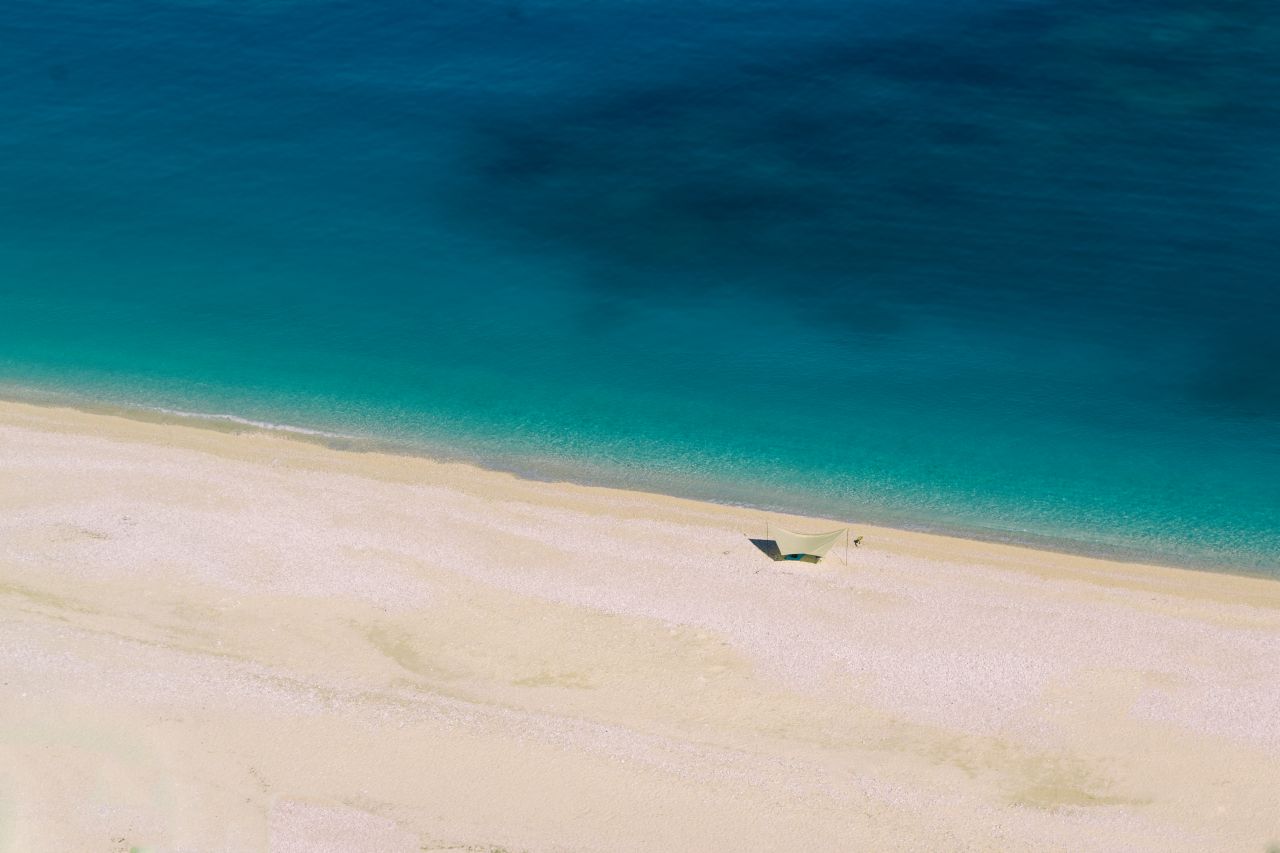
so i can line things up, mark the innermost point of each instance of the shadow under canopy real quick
(799, 547)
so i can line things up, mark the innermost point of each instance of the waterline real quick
(542, 467)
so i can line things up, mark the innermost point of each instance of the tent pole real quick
(846, 546)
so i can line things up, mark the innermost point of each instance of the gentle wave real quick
(265, 426)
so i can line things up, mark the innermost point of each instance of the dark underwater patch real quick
(1241, 376)
(1028, 157)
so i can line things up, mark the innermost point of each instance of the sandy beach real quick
(234, 641)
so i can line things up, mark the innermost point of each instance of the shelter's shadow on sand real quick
(770, 549)
(768, 546)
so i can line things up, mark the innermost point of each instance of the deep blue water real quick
(1001, 268)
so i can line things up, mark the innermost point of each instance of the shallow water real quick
(1004, 269)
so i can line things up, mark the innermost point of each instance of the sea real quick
(1007, 269)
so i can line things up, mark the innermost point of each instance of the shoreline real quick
(903, 541)
(221, 640)
(568, 471)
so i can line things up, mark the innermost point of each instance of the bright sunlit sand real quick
(217, 641)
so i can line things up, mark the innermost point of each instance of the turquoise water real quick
(1003, 269)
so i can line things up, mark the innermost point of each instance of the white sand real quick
(212, 641)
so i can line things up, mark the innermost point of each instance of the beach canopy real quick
(797, 546)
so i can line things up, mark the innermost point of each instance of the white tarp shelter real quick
(797, 546)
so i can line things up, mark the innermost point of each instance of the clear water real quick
(1000, 268)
